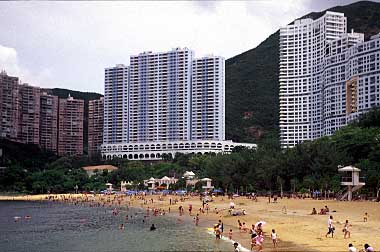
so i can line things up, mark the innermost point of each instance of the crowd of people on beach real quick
(120, 204)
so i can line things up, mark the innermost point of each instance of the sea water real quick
(64, 227)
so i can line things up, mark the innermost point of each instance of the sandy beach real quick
(296, 229)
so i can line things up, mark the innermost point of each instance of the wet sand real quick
(296, 229)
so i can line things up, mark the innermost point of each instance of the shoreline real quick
(297, 230)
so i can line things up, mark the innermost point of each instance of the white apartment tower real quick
(159, 100)
(208, 95)
(317, 65)
(165, 103)
(116, 104)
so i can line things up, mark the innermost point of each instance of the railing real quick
(349, 179)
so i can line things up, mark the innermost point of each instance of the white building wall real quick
(116, 104)
(208, 99)
(302, 48)
(160, 96)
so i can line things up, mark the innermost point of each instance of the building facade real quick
(173, 103)
(159, 100)
(29, 129)
(311, 94)
(95, 126)
(116, 104)
(70, 127)
(9, 106)
(207, 99)
(48, 122)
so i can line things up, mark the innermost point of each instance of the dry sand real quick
(296, 229)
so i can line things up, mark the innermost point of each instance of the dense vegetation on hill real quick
(308, 166)
(86, 96)
(252, 104)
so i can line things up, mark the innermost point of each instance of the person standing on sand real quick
(365, 218)
(230, 234)
(273, 235)
(346, 230)
(330, 227)
(240, 225)
(236, 245)
(197, 220)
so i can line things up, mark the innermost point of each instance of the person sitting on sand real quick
(327, 210)
(322, 212)
(314, 211)
(368, 248)
(351, 248)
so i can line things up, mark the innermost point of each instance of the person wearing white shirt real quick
(351, 248)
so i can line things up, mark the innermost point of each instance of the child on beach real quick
(273, 235)
(197, 220)
(346, 230)
(259, 241)
(239, 225)
(230, 234)
(365, 218)
(253, 240)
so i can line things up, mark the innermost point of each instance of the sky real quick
(68, 44)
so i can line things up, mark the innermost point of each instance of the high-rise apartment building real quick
(48, 122)
(317, 67)
(95, 126)
(29, 131)
(207, 99)
(116, 104)
(9, 106)
(169, 102)
(159, 99)
(70, 126)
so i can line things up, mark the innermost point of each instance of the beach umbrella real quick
(262, 223)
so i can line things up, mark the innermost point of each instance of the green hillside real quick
(252, 78)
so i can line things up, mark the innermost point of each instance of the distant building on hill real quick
(327, 77)
(49, 122)
(9, 106)
(70, 127)
(29, 111)
(91, 170)
(95, 126)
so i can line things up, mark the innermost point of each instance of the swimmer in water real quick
(152, 228)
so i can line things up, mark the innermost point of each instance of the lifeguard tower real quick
(208, 187)
(352, 180)
(109, 187)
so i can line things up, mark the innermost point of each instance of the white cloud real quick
(10, 63)
(8, 60)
